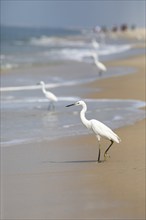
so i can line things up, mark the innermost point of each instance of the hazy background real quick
(72, 13)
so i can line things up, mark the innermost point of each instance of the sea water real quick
(21, 47)
(24, 110)
(29, 121)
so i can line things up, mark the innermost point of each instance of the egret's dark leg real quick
(100, 73)
(105, 153)
(51, 106)
(98, 156)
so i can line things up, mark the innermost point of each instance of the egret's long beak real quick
(70, 105)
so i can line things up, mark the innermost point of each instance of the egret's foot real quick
(51, 108)
(100, 74)
(106, 156)
(99, 161)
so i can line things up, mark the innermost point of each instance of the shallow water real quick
(64, 80)
(26, 122)
(24, 110)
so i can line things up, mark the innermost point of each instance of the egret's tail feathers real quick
(55, 99)
(117, 139)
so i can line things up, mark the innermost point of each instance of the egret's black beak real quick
(38, 83)
(69, 105)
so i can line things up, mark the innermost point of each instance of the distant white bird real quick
(49, 95)
(95, 44)
(100, 129)
(100, 66)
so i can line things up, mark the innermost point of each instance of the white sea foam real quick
(29, 87)
(35, 87)
(111, 49)
(18, 142)
(61, 82)
(56, 49)
(8, 66)
(31, 100)
(55, 41)
(83, 45)
(83, 54)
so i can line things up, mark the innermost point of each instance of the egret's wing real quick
(101, 129)
(102, 66)
(51, 96)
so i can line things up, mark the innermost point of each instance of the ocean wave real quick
(7, 62)
(29, 87)
(48, 86)
(13, 100)
(8, 66)
(77, 46)
(84, 54)
(55, 82)
(111, 49)
(69, 54)
(55, 41)
(60, 50)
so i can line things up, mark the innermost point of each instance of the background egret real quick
(100, 66)
(95, 44)
(100, 129)
(49, 95)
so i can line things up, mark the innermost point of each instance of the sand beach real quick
(61, 179)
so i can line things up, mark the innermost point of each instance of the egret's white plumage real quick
(100, 66)
(95, 44)
(49, 95)
(100, 129)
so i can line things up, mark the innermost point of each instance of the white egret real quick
(95, 44)
(49, 95)
(100, 129)
(100, 66)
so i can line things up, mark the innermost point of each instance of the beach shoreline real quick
(72, 184)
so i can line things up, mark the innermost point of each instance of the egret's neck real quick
(83, 118)
(95, 60)
(43, 88)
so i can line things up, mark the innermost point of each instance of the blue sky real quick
(72, 13)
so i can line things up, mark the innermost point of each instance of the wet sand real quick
(123, 87)
(70, 184)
